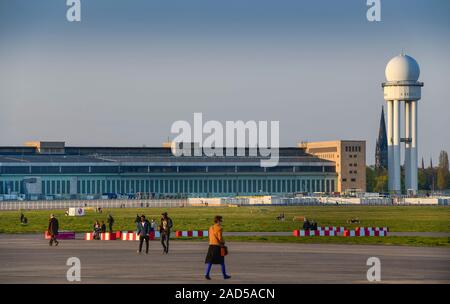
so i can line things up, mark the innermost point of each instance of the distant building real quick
(349, 157)
(381, 149)
(56, 170)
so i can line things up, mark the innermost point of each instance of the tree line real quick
(429, 179)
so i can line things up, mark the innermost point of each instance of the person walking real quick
(143, 231)
(216, 248)
(110, 222)
(164, 228)
(53, 227)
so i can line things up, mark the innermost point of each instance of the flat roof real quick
(142, 155)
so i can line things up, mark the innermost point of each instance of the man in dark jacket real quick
(143, 232)
(110, 223)
(53, 227)
(164, 228)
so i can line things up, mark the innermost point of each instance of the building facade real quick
(75, 172)
(349, 157)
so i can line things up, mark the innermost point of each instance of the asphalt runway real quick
(29, 259)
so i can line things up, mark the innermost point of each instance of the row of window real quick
(353, 179)
(156, 169)
(352, 148)
(173, 186)
(327, 155)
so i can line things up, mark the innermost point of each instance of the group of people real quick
(101, 228)
(309, 225)
(216, 250)
(144, 227)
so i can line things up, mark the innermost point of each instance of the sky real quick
(130, 69)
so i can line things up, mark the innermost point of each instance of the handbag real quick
(223, 250)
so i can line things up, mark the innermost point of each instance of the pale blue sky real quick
(131, 68)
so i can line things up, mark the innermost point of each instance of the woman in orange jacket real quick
(216, 242)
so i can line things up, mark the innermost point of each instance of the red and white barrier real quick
(107, 236)
(368, 229)
(362, 231)
(130, 236)
(365, 232)
(339, 229)
(62, 235)
(89, 236)
(191, 233)
(133, 236)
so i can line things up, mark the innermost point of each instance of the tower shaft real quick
(396, 187)
(390, 133)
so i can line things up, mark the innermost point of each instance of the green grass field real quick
(402, 218)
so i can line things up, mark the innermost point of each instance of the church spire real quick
(381, 154)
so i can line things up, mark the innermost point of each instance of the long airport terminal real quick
(47, 170)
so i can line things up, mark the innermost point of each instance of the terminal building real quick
(54, 170)
(349, 157)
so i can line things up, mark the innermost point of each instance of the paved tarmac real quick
(29, 259)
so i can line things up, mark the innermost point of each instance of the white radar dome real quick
(402, 68)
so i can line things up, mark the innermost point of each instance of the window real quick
(249, 169)
(74, 169)
(280, 169)
(104, 169)
(190, 169)
(221, 168)
(133, 169)
(15, 169)
(353, 179)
